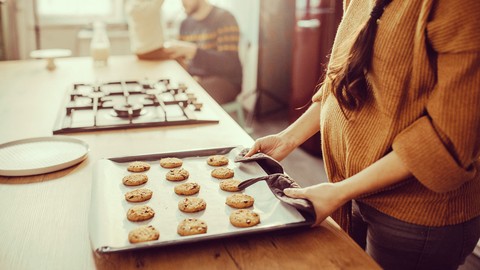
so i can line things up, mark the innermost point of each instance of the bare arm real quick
(384, 172)
(280, 145)
(327, 197)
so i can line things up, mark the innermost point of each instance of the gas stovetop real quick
(130, 104)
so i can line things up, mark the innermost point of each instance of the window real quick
(67, 12)
(75, 12)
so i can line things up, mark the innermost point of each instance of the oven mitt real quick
(276, 181)
(268, 163)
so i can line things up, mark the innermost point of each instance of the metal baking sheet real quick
(109, 226)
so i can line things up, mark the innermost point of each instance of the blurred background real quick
(283, 48)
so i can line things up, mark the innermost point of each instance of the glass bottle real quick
(100, 45)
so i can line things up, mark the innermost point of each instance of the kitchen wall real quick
(76, 36)
(18, 36)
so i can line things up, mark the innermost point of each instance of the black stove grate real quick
(129, 104)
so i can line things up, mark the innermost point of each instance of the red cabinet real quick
(315, 27)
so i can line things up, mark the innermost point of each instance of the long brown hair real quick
(348, 83)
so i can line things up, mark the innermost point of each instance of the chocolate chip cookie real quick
(243, 218)
(139, 195)
(217, 160)
(191, 226)
(143, 234)
(192, 205)
(140, 213)
(222, 173)
(230, 185)
(240, 200)
(187, 188)
(178, 174)
(135, 179)
(138, 166)
(171, 162)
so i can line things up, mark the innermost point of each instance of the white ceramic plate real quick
(40, 155)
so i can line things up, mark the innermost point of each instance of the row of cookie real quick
(192, 226)
(173, 162)
(146, 232)
(173, 175)
(177, 174)
(195, 204)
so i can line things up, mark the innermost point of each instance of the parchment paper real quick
(109, 226)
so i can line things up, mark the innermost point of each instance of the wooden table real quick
(44, 218)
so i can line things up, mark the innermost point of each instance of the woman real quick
(399, 116)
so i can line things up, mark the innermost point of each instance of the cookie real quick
(171, 162)
(143, 234)
(244, 218)
(179, 174)
(192, 205)
(135, 179)
(191, 226)
(139, 195)
(222, 173)
(230, 185)
(138, 166)
(140, 213)
(217, 160)
(240, 200)
(187, 188)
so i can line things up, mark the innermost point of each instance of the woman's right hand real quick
(279, 145)
(275, 146)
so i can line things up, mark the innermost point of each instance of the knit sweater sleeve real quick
(442, 148)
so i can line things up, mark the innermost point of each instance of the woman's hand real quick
(275, 146)
(278, 146)
(325, 197)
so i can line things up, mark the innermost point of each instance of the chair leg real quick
(240, 115)
(237, 108)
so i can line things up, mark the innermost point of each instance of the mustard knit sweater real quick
(424, 105)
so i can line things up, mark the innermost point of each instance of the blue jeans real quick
(395, 244)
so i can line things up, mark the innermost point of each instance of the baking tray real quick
(109, 227)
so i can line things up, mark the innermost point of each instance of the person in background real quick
(145, 25)
(399, 118)
(208, 47)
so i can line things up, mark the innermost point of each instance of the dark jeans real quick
(395, 244)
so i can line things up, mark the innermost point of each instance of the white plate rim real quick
(46, 169)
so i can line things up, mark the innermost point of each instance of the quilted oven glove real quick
(277, 181)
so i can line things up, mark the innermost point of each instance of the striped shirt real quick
(217, 37)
